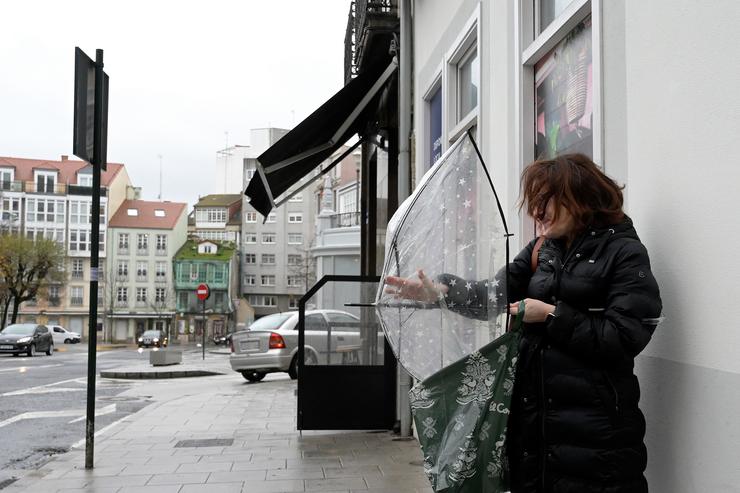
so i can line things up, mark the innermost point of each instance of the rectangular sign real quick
(83, 145)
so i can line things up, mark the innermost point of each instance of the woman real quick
(575, 425)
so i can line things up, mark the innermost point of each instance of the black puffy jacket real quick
(575, 424)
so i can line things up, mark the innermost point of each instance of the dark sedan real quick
(31, 339)
(153, 338)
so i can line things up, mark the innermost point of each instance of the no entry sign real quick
(203, 292)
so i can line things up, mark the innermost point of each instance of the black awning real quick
(316, 138)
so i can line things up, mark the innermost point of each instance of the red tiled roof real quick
(146, 218)
(67, 169)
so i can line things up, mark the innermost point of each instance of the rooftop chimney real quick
(64, 157)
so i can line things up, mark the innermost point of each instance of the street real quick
(42, 402)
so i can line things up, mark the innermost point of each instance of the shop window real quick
(563, 81)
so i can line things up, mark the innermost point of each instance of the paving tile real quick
(150, 468)
(120, 481)
(205, 467)
(296, 473)
(335, 484)
(179, 478)
(214, 488)
(278, 486)
(352, 471)
(96, 489)
(233, 476)
(158, 488)
(259, 464)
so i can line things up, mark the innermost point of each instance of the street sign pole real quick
(203, 292)
(94, 264)
(203, 327)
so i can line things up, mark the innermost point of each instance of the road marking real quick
(24, 369)
(100, 412)
(104, 429)
(32, 390)
(56, 414)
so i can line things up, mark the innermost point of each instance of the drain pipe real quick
(405, 76)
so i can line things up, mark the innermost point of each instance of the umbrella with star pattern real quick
(453, 230)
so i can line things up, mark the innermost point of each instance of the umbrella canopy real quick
(451, 228)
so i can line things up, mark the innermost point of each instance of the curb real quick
(143, 375)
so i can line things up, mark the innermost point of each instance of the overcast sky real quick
(181, 75)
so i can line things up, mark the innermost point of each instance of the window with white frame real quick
(294, 259)
(84, 179)
(348, 201)
(268, 258)
(267, 280)
(250, 217)
(122, 295)
(142, 242)
(79, 212)
(160, 295)
(563, 94)
(160, 271)
(434, 124)
(210, 215)
(262, 300)
(250, 238)
(79, 240)
(250, 279)
(295, 217)
(76, 294)
(296, 198)
(6, 179)
(10, 211)
(250, 258)
(468, 81)
(122, 242)
(55, 234)
(45, 181)
(122, 270)
(77, 269)
(295, 281)
(214, 235)
(45, 210)
(268, 238)
(271, 217)
(161, 243)
(140, 296)
(293, 303)
(295, 238)
(141, 270)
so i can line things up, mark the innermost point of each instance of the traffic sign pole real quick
(203, 292)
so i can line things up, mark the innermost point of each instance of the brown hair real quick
(576, 183)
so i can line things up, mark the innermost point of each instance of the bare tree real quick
(112, 283)
(27, 267)
(305, 268)
(163, 304)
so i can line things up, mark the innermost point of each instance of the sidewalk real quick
(220, 434)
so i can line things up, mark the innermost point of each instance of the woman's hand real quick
(534, 310)
(422, 289)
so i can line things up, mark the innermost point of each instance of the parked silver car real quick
(270, 344)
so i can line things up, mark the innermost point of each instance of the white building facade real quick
(643, 88)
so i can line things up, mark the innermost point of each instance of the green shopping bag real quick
(461, 413)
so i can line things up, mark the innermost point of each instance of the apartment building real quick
(213, 263)
(139, 293)
(53, 199)
(217, 217)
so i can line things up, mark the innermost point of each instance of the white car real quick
(271, 343)
(63, 336)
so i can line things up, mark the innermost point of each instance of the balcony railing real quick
(120, 304)
(142, 251)
(122, 250)
(55, 301)
(141, 277)
(161, 252)
(77, 274)
(82, 190)
(122, 277)
(160, 279)
(365, 17)
(11, 186)
(75, 301)
(345, 220)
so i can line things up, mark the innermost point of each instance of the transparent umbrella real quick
(451, 230)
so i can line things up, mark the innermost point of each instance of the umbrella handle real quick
(518, 321)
